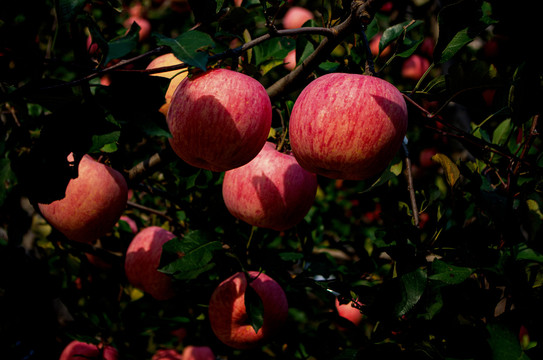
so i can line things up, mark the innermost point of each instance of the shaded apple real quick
(175, 76)
(219, 120)
(349, 312)
(77, 350)
(295, 17)
(192, 352)
(143, 259)
(93, 203)
(414, 67)
(167, 354)
(228, 315)
(347, 126)
(271, 191)
(374, 46)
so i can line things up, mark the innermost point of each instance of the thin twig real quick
(410, 187)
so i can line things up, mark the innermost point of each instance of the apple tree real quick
(431, 250)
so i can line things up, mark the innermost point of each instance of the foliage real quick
(457, 277)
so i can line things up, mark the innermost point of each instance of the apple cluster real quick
(342, 126)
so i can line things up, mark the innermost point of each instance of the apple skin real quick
(77, 350)
(144, 24)
(271, 191)
(175, 76)
(166, 354)
(374, 47)
(414, 67)
(192, 352)
(142, 261)
(93, 203)
(347, 311)
(290, 60)
(219, 120)
(228, 316)
(347, 126)
(296, 16)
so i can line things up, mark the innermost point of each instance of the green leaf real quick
(408, 47)
(7, 179)
(504, 343)
(502, 131)
(394, 32)
(452, 173)
(220, 3)
(68, 9)
(124, 45)
(392, 171)
(413, 285)
(254, 308)
(291, 256)
(449, 274)
(189, 47)
(105, 140)
(187, 257)
(273, 49)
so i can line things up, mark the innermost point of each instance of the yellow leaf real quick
(452, 173)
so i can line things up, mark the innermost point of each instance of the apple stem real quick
(370, 68)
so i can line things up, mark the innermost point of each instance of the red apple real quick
(144, 24)
(374, 46)
(228, 315)
(219, 120)
(238, 2)
(77, 350)
(175, 76)
(131, 223)
(425, 157)
(349, 312)
(198, 353)
(290, 60)
(347, 126)
(271, 191)
(414, 67)
(167, 354)
(93, 203)
(142, 261)
(296, 16)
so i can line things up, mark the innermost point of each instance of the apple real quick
(219, 119)
(228, 315)
(175, 76)
(349, 312)
(192, 352)
(347, 126)
(131, 223)
(93, 203)
(76, 350)
(238, 2)
(144, 24)
(414, 67)
(142, 261)
(374, 46)
(167, 354)
(296, 16)
(290, 60)
(271, 191)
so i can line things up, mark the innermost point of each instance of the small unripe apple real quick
(296, 16)
(414, 67)
(271, 191)
(175, 76)
(219, 120)
(143, 259)
(228, 315)
(198, 353)
(93, 203)
(77, 350)
(349, 312)
(347, 126)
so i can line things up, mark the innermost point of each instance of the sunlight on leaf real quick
(452, 173)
